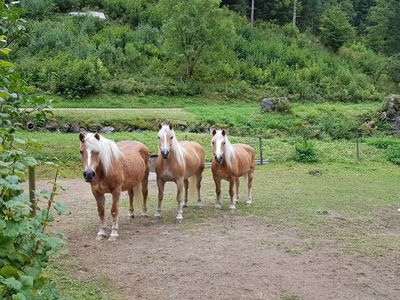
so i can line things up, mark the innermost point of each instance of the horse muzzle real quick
(89, 176)
(164, 154)
(218, 158)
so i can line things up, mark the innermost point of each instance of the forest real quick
(308, 50)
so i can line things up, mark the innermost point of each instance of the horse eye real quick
(158, 137)
(81, 151)
(172, 137)
(213, 143)
(223, 143)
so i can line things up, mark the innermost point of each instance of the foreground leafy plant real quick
(305, 152)
(25, 245)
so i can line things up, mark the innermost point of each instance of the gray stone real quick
(107, 129)
(275, 104)
(75, 127)
(391, 111)
(51, 126)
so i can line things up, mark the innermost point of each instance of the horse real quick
(178, 162)
(112, 168)
(230, 162)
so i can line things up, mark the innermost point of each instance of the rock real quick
(107, 129)
(75, 127)
(51, 126)
(391, 111)
(275, 104)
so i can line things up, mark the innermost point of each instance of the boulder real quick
(391, 111)
(107, 129)
(51, 126)
(275, 104)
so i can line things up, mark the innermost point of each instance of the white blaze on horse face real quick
(89, 160)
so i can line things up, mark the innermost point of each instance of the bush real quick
(79, 78)
(305, 152)
(393, 154)
(38, 9)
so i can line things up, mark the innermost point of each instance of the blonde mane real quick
(176, 148)
(107, 150)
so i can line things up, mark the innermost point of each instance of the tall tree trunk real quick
(294, 12)
(252, 12)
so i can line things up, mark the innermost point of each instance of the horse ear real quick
(214, 132)
(97, 136)
(81, 137)
(223, 132)
(170, 126)
(159, 126)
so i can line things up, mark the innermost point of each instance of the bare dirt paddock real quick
(222, 256)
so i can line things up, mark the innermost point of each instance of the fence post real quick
(261, 151)
(186, 137)
(32, 189)
(358, 147)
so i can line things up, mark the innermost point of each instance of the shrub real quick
(393, 154)
(305, 152)
(38, 9)
(79, 78)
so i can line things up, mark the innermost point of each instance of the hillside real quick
(179, 48)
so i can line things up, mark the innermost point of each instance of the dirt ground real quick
(223, 257)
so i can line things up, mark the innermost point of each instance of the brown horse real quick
(177, 162)
(230, 162)
(114, 168)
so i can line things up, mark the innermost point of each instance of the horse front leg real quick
(100, 199)
(232, 193)
(181, 203)
(237, 183)
(114, 214)
(130, 214)
(217, 182)
(160, 184)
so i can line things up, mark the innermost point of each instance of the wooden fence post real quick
(358, 147)
(32, 189)
(261, 151)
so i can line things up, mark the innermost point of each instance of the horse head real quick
(165, 139)
(90, 150)
(218, 142)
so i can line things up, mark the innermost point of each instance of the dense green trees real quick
(194, 47)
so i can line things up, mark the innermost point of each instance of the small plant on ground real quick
(305, 152)
(393, 154)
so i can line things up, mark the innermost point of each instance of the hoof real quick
(199, 205)
(232, 207)
(131, 216)
(249, 202)
(218, 206)
(113, 238)
(157, 215)
(100, 237)
(179, 220)
(144, 214)
(184, 205)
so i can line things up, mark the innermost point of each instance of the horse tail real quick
(192, 187)
(137, 197)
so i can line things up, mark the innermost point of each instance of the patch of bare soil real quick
(227, 257)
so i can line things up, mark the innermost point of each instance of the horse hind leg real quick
(249, 188)
(145, 194)
(179, 185)
(199, 177)
(186, 185)
(131, 209)
(232, 194)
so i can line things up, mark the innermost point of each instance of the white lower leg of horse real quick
(114, 229)
(218, 202)
(157, 214)
(179, 216)
(250, 198)
(102, 231)
(232, 206)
